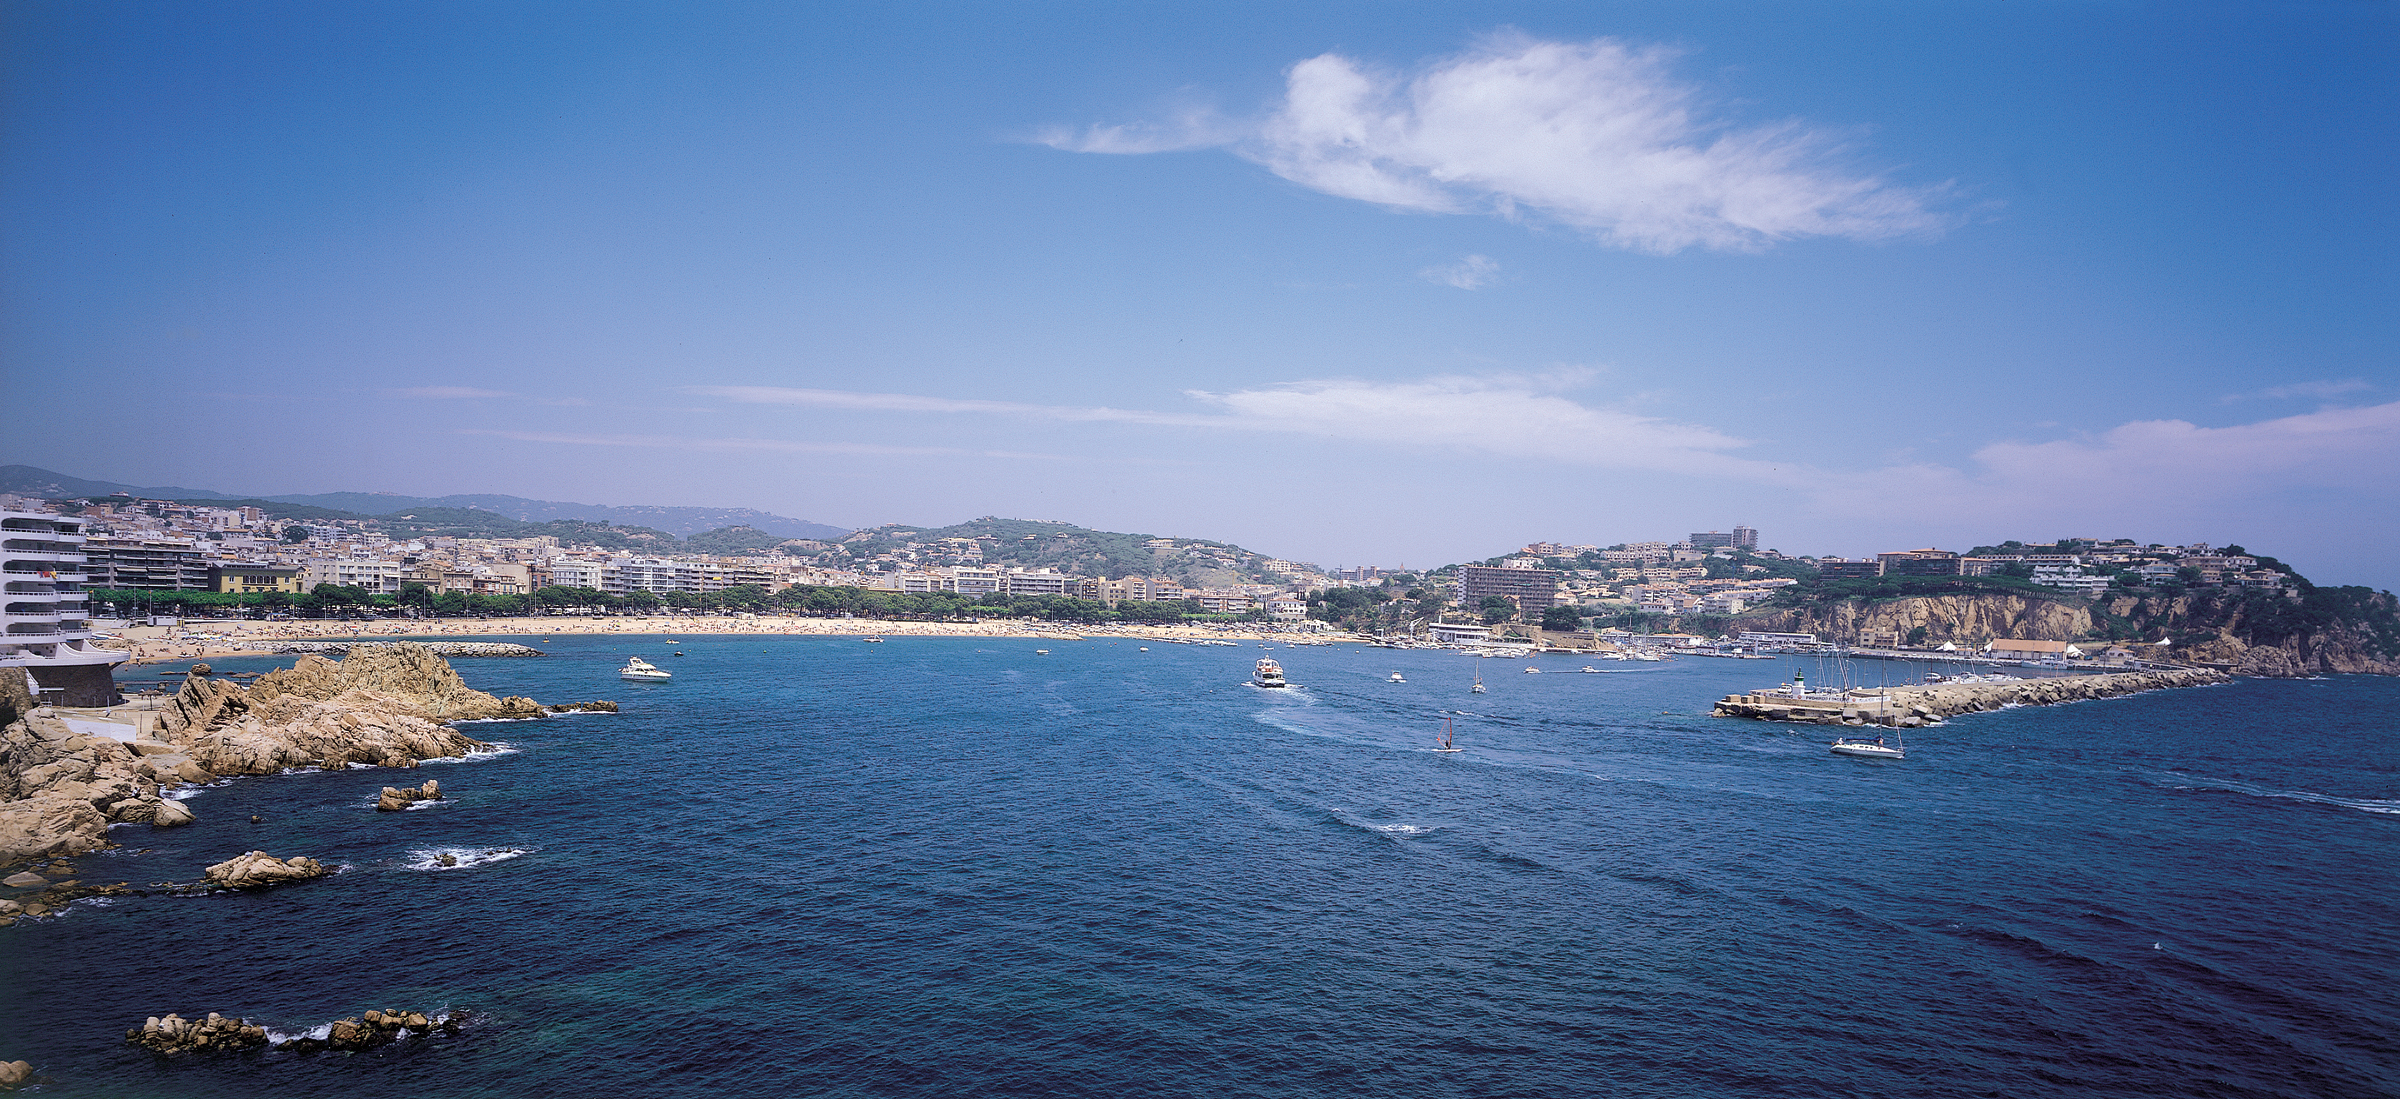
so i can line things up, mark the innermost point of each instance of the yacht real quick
(638, 670)
(1269, 674)
(1396, 678)
(1872, 749)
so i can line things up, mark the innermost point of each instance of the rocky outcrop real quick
(173, 1034)
(596, 706)
(215, 1034)
(395, 798)
(385, 705)
(1909, 707)
(258, 868)
(33, 895)
(17, 1074)
(60, 789)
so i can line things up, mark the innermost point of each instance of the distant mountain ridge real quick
(682, 522)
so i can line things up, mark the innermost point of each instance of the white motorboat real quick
(638, 670)
(1396, 678)
(1872, 749)
(1533, 671)
(1268, 674)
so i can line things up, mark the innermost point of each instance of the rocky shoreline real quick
(1910, 707)
(388, 705)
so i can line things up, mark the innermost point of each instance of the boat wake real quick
(1342, 816)
(2175, 780)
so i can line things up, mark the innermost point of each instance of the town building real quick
(1921, 562)
(45, 625)
(235, 576)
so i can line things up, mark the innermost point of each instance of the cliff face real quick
(1964, 619)
(2249, 635)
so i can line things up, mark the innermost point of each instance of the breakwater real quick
(1909, 707)
(438, 648)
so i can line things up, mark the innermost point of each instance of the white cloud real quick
(443, 393)
(1471, 273)
(2336, 446)
(1597, 136)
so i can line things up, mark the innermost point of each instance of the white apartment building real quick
(376, 577)
(45, 626)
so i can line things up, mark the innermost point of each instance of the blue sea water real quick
(960, 867)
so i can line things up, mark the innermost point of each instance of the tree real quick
(1562, 619)
(1497, 609)
(295, 533)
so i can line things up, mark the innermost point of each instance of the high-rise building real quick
(1742, 538)
(47, 626)
(1532, 590)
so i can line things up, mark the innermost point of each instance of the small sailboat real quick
(1478, 687)
(1446, 742)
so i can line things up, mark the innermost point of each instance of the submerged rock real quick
(395, 799)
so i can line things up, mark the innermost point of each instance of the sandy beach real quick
(204, 638)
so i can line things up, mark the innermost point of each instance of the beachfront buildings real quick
(45, 628)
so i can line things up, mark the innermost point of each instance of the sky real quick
(1363, 283)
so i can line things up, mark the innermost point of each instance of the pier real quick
(1912, 706)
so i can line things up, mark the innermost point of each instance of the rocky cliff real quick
(2328, 631)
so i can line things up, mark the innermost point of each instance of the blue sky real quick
(1371, 283)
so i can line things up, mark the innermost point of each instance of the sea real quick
(972, 867)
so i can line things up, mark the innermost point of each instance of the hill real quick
(677, 521)
(1074, 550)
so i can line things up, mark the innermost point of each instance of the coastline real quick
(204, 639)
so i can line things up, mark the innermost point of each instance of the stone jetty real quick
(1909, 707)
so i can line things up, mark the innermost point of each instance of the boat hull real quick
(1867, 751)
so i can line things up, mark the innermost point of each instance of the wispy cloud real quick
(785, 446)
(442, 393)
(1598, 136)
(2315, 391)
(1509, 415)
(1471, 273)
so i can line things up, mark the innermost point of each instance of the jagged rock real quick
(172, 814)
(395, 799)
(446, 859)
(259, 869)
(14, 1074)
(598, 705)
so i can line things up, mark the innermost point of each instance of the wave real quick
(430, 858)
(2175, 780)
(1396, 828)
(498, 748)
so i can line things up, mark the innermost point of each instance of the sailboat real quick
(1478, 687)
(1445, 742)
